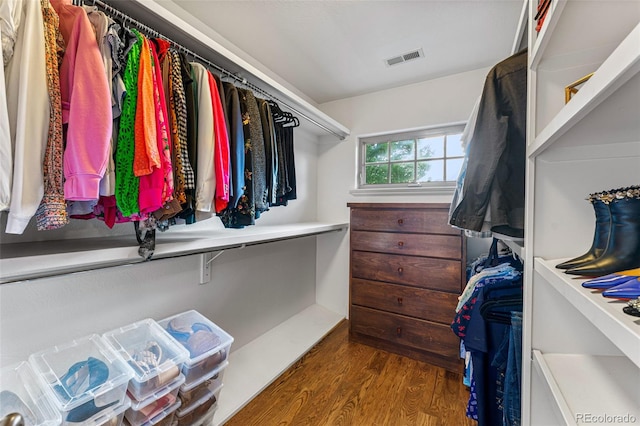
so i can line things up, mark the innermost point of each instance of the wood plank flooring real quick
(339, 382)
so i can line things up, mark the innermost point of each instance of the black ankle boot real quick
(623, 248)
(600, 236)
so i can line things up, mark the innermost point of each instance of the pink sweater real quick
(86, 104)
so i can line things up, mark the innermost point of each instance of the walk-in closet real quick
(316, 213)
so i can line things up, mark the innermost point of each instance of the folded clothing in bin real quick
(197, 410)
(208, 344)
(84, 379)
(154, 357)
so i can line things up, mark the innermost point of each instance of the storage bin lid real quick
(147, 348)
(158, 417)
(187, 387)
(21, 392)
(139, 405)
(199, 335)
(78, 371)
(206, 397)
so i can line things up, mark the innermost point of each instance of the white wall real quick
(246, 296)
(252, 289)
(441, 101)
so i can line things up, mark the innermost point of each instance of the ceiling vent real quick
(409, 56)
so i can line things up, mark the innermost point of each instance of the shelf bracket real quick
(205, 265)
(206, 259)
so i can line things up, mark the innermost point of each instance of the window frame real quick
(411, 134)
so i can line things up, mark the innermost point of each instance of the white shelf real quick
(605, 314)
(517, 247)
(544, 36)
(255, 365)
(587, 385)
(193, 35)
(617, 69)
(21, 261)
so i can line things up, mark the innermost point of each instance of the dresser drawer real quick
(434, 221)
(411, 332)
(410, 301)
(447, 246)
(425, 272)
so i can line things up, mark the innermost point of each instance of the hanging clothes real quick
(490, 303)
(28, 110)
(495, 171)
(221, 149)
(236, 153)
(188, 213)
(270, 148)
(52, 212)
(165, 171)
(206, 176)
(286, 190)
(178, 115)
(127, 183)
(86, 105)
(256, 142)
(245, 213)
(147, 163)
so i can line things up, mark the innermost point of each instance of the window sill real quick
(426, 190)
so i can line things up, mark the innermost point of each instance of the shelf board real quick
(588, 385)
(193, 35)
(615, 71)
(550, 23)
(517, 247)
(255, 365)
(604, 313)
(21, 261)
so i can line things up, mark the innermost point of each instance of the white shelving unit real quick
(49, 258)
(581, 353)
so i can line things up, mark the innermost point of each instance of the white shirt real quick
(206, 177)
(28, 109)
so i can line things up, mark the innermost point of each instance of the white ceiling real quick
(331, 49)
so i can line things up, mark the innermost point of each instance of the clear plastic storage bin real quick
(195, 412)
(113, 417)
(164, 418)
(22, 393)
(208, 344)
(154, 357)
(83, 378)
(141, 412)
(210, 382)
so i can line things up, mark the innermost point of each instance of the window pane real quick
(377, 152)
(402, 172)
(454, 146)
(402, 150)
(376, 174)
(431, 147)
(430, 171)
(453, 168)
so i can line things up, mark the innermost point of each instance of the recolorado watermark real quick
(591, 418)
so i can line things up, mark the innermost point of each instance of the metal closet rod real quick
(126, 18)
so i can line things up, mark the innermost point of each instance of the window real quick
(430, 157)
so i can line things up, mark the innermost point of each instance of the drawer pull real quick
(400, 270)
(400, 243)
(399, 331)
(400, 221)
(399, 300)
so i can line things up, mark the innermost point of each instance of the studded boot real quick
(600, 236)
(623, 248)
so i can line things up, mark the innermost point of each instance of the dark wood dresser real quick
(407, 271)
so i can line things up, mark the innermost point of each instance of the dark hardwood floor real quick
(344, 383)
